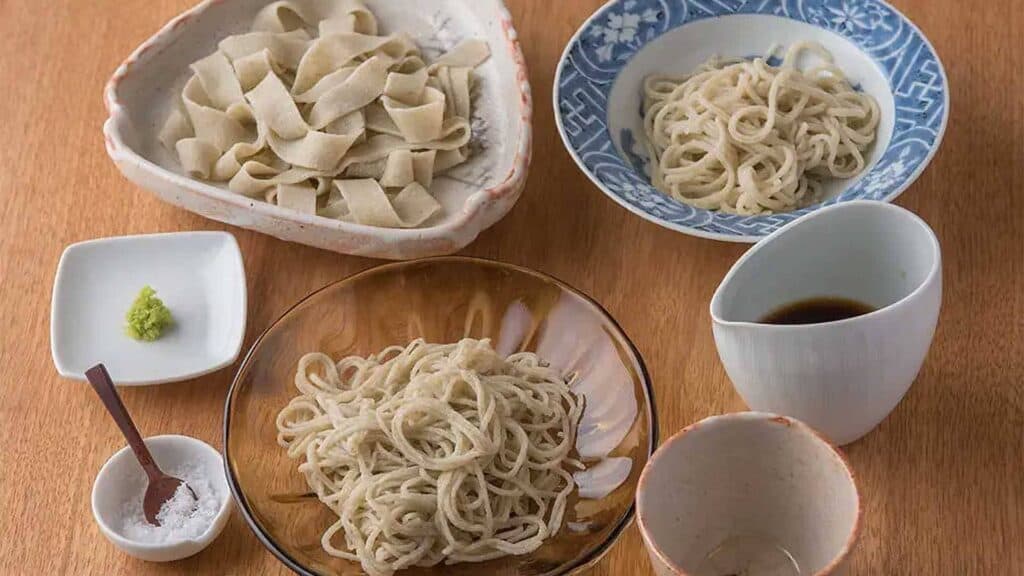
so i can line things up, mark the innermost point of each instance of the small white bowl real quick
(198, 275)
(122, 477)
(474, 195)
(748, 493)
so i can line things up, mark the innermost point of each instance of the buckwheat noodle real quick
(744, 137)
(433, 452)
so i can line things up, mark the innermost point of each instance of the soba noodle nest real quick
(433, 452)
(744, 137)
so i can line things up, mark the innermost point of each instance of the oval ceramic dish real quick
(474, 195)
(597, 95)
(444, 300)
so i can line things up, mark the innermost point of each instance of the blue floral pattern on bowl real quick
(618, 30)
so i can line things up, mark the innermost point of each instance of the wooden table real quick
(942, 478)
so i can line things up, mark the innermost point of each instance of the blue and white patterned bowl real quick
(597, 93)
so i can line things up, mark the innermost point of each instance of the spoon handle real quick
(100, 380)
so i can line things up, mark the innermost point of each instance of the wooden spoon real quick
(161, 487)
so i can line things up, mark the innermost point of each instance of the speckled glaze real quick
(478, 194)
(748, 474)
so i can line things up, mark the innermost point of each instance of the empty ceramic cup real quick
(841, 377)
(751, 493)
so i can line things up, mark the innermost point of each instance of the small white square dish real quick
(198, 275)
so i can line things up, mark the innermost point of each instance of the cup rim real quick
(646, 534)
(933, 272)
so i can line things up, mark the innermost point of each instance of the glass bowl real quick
(443, 300)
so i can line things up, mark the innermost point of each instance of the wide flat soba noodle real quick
(314, 111)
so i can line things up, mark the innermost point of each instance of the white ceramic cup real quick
(749, 493)
(841, 377)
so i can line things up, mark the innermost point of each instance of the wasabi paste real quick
(148, 317)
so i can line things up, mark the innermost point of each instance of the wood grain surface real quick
(942, 478)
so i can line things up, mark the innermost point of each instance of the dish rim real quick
(646, 384)
(59, 358)
(474, 216)
(691, 230)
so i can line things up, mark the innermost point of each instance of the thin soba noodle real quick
(433, 452)
(745, 137)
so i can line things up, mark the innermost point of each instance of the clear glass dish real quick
(443, 300)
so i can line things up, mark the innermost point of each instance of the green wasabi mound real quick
(148, 317)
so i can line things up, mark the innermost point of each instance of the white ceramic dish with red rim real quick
(475, 195)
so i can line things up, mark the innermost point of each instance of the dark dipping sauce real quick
(817, 311)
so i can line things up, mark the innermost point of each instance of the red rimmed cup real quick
(750, 493)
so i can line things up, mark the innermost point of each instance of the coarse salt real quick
(182, 517)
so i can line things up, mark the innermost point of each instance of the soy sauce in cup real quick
(817, 311)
